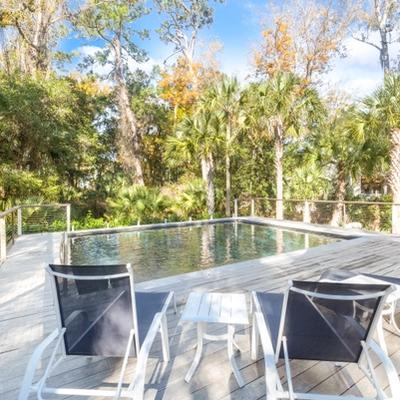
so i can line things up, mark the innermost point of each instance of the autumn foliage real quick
(277, 53)
(183, 83)
(178, 84)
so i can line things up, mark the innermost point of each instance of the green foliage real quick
(137, 203)
(59, 134)
(90, 222)
(42, 124)
(111, 20)
(188, 199)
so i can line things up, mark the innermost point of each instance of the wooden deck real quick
(26, 316)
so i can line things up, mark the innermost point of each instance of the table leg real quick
(199, 350)
(235, 369)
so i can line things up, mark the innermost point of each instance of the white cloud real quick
(360, 72)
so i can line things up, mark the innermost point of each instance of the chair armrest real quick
(394, 382)
(137, 384)
(31, 367)
(272, 379)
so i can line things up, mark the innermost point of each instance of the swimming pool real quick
(158, 253)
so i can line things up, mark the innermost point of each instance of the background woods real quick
(126, 143)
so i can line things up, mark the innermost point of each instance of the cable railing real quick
(31, 218)
(377, 216)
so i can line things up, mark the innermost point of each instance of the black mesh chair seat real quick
(98, 314)
(147, 306)
(271, 306)
(318, 328)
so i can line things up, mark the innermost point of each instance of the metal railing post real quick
(19, 221)
(306, 212)
(68, 217)
(252, 209)
(395, 219)
(235, 212)
(3, 240)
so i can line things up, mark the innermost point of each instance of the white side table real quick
(222, 308)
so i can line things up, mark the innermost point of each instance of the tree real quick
(42, 124)
(277, 52)
(225, 97)
(379, 16)
(138, 203)
(306, 35)
(382, 114)
(198, 137)
(183, 22)
(113, 23)
(37, 26)
(287, 109)
(177, 83)
(342, 149)
(176, 87)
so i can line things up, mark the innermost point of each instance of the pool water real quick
(158, 253)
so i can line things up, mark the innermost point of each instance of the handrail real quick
(8, 211)
(309, 211)
(12, 227)
(359, 202)
(15, 208)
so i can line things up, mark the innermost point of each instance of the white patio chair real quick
(100, 314)
(320, 321)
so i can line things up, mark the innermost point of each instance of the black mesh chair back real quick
(97, 314)
(329, 327)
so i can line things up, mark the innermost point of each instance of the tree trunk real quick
(278, 144)
(128, 141)
(394, 178)
(384, 51)
(207, 172)
(228, 171)
(338, 214)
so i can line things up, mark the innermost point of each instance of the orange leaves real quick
(277, 53)
(305, 36)
(184, 83)
(178, 85)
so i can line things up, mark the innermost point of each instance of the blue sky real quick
(237, 25)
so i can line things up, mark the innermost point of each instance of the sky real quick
(237, 25)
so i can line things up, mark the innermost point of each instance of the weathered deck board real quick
(26, 316)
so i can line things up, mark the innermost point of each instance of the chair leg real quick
(164, 338)
(175, 307)
(381, 336)
(393, 322)
(254, 339)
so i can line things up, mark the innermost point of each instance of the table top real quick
(226, 308)
(369, 280)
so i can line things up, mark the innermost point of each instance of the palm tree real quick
(225, 97)
(286, 109)
(197, 138)
(135, 203)
(382, 115)
(341, 147)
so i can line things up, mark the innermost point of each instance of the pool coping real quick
(327, 230)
